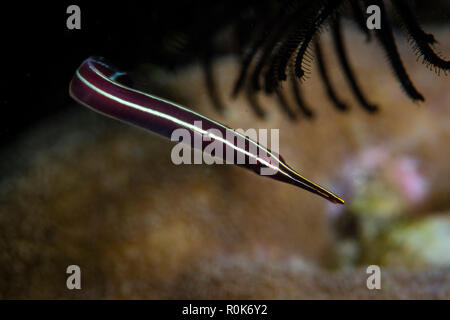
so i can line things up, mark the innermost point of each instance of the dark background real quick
(40, 54)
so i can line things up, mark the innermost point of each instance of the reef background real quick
(79, 188)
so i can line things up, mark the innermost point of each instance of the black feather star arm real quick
(250, 54)
(339, 46)
(211, 85)
(282, 102)
(245, 64)
(262, 60)
(360, 19)
(294, 39)
(387, 40)
(276, 41)
(261, 49)
(324, 75)
(252, 100)
(420, 40)
(304, 108)
(271, 49)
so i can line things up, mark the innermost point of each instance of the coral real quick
(83, 189)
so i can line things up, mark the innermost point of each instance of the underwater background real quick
(79, 188)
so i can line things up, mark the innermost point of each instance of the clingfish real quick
(98, 86)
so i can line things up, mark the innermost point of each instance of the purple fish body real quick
(96, 85)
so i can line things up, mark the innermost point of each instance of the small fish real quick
(96, 85)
